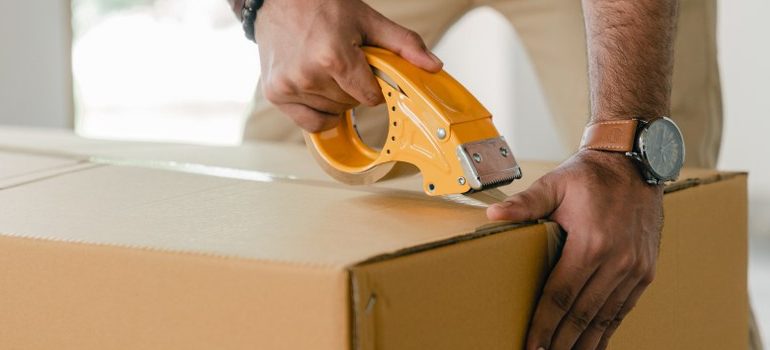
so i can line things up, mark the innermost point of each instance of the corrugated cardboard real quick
(152, 255)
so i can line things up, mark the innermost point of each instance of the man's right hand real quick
(313, 67)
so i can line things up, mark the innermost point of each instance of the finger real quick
(627, 307)
(288, 93)
(312, 85)
(536, 202)
(600, 324)
(559, 294)
(381, 31)
(358, 81)
(592, 298)
(309, 87)
(308, 118)
(321, 104)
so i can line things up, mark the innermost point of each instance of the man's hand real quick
(613, 221)
(313, 68)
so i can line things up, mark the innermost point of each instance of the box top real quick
(263, 202)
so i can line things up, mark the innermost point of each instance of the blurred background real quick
(181, 71)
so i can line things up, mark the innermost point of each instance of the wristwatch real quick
(657, 145)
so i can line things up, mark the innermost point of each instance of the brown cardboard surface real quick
(165, 210)
(126, 257)
(475, 295)
(698, 299)
(57, 295)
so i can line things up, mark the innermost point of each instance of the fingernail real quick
(435, 58)
(503, 205)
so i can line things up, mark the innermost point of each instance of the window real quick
(162, 70)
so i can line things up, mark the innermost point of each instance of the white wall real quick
(744, 53)
(35, 78)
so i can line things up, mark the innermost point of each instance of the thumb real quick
(536, 202)
(384, 33)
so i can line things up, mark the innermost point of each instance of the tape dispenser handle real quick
(430, 115)
(341, 152)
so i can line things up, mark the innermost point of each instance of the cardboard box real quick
(126, 251)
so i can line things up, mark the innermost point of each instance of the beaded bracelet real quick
(249, 15)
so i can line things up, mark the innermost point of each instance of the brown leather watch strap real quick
(613, 136)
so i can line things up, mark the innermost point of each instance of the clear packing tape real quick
(476, 199)
(556, 236)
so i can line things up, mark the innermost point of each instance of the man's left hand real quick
(613, 221)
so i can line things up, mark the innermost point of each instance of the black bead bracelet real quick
(249, 15)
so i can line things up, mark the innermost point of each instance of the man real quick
(313, 70)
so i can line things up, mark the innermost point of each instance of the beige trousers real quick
(553, 34)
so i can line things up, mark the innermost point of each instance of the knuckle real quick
(276, 89)
(615, 309)
(642, 269)
(372, 97)
(627, 263)
(561, 298)
(332, 62)
(305, 83)
(617, 321)
(602, 323)
(527, 201)
(605, 320)
(647, 278)
(598, 248)
(313, 124)
(621, 315)
(367, 95)
(580, 319)
(412, 37)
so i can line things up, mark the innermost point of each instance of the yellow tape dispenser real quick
(435, 124)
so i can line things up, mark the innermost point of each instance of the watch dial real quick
(664, 148)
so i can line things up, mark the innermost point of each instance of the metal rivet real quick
(477, 157)
(441, 133)
(461, 180)
(504, 151)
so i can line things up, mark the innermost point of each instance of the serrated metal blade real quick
(480, 199)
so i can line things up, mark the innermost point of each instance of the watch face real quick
(663, 147)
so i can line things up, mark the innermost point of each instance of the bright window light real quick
(161, 70)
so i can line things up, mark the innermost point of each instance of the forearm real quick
(236, 6)
(630, 57)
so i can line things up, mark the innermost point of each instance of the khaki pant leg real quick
(553, 33)
(696, 103)
(429, 18)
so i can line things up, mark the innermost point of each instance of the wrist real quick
(641, 113)
(615, 167)
(237, 7)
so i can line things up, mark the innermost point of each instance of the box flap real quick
(278, 221)
(22, 167)
(145, 205)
